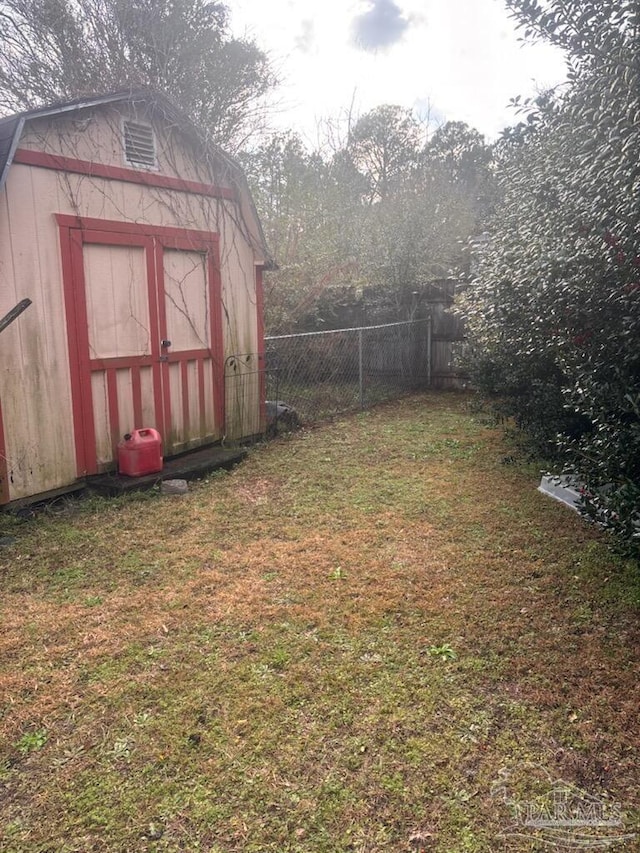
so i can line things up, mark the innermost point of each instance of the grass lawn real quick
(366, 638)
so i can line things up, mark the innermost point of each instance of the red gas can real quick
(140, 453)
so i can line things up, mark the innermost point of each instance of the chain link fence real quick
(312, 376)
(321, 374)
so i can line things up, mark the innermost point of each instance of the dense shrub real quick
(554, 311)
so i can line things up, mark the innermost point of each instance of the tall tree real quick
(59, 49)
(414, 236)
(462, 156)
(310, 211)
(357, 234)
(460, 150)
(385, 146)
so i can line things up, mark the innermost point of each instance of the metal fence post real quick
(429, 327)
(360, 377)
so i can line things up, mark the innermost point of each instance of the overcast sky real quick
(454, 59)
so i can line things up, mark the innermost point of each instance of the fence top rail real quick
(352, 329)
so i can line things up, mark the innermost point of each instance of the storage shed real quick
(141, 250)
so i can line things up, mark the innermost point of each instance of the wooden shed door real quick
(143, 311)
(190, 327)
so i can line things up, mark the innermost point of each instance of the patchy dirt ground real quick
(372, 636)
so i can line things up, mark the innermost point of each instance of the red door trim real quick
(262, 365)
(217, 344)
(184, 381)
(188, 355)
(75, 374)
(162, 333)
(184, 237)
(4, 468)
(112, 400)
(156, 377)
(75, 292)
(201, 395)
(136, 391)
(121, 361)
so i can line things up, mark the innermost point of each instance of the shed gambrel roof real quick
(11, 128)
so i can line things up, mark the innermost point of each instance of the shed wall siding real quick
(96, 136)
(35, 393)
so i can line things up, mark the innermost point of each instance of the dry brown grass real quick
(252, 667)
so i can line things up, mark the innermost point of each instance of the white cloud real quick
(380, 26)
(460, 56)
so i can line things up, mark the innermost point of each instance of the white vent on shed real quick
(139, 144)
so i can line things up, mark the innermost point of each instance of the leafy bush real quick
(554, 312)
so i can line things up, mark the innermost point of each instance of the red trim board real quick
(172, 238)
(262, 365)
(72, 341)
(27, 157)
(4, 468)
(217, 345)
